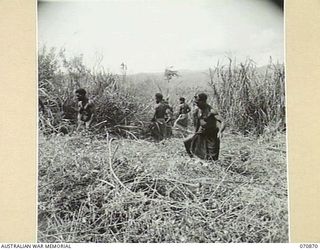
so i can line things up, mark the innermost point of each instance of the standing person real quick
(85, 109)
(208, 124)
(161, 117)
(168, 118)
(184, 109)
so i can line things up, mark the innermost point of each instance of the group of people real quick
(163, 120)
(208, 124)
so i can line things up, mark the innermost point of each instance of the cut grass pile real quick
(100, 190)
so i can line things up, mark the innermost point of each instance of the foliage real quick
(59, 77)
(250, 100)
(103, 190)
(97, 186)
(169, 73)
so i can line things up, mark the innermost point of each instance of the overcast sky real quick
(151, 35)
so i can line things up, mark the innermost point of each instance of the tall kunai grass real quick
(114, 184)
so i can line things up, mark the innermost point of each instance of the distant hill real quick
(188, 78)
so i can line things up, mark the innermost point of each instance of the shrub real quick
(59, 77)
(250, 100)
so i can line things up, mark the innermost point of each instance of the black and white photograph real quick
(162, 121)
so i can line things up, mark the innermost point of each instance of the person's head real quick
(80, 94)
(159, 97)
(201, 100)
(182, 100)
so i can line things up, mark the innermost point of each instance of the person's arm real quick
(212, 122)
(221, 125)
(78, 117)
(153, 119)
(178, 113)
(91, 109)
(195, 120)
(79, 122)
(169, 114)
(207, 124)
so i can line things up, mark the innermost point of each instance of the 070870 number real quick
(308, 245)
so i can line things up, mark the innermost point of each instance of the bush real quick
(59, 77)
(250, 100)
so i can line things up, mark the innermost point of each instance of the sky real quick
(151, 35)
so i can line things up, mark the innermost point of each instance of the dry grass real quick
(96, 189)
(250, 99)
(101, 190)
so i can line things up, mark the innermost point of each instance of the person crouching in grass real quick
(208, 124)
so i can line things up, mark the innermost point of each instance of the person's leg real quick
(213, 149)
(88, 125)
(155, 131)
(169, 129)
(187, 145)
(159, 131)
(80, 126)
